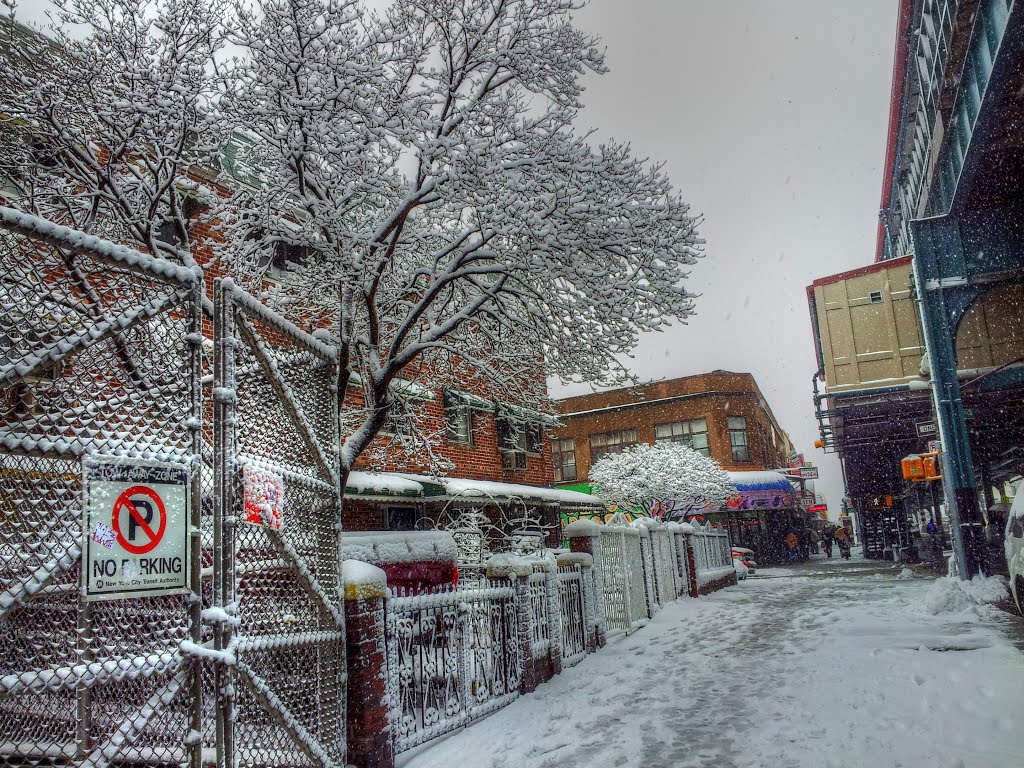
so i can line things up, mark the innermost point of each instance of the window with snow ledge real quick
(459, 424)
(692, 433)
(517, 439)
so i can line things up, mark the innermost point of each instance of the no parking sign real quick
(136, 529)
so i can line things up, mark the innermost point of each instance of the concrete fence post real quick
(368, 714)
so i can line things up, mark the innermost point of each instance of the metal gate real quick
(99, 356)
(453, 657)
(280, 643)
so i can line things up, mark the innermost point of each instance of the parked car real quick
(746, 556)
(742, 569)
(1014, 543)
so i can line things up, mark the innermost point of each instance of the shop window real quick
(563, 454)
(738, 438)
(692, 433)
(607, 443)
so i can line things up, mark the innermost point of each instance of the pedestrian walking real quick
(842, 539)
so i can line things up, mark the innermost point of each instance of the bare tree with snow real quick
(101, 123)
(422, 171)
(669, 477)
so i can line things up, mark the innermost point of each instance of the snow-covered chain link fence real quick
(99, 356)
(281, 691)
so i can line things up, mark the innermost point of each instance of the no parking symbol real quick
(135, 529)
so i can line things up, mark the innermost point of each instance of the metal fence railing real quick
(541, 615)
(572, 609)
(711, 548)
(453, 656)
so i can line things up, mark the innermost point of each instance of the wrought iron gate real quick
(277, 575)
(99, 355)
(453, 656)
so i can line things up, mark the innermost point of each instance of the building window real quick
(610, 442)
(563, 454)
(875, 297)
(738, 438)
(516, 439)
(459, 424)
(693, 433)
(401, 518)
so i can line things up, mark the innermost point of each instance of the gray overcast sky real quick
(771, 117)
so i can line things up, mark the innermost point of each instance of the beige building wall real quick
(991, 332)
(869, 328)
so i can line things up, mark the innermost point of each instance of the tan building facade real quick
(868, 326)
(722, 414)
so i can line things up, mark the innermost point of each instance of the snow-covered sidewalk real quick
(833, 664)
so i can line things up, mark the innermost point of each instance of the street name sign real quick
(135, 528)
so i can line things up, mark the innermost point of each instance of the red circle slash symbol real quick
(141, 512)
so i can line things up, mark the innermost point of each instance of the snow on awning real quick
(760, 481)
(458, 487)
(760, 490)
(382, 484)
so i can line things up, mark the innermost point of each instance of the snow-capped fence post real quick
(583, 536)
(647, 561)
(517, 572)
(691, 561)
(368, 719)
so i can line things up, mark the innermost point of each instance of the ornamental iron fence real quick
(453, 656)
(573, 613)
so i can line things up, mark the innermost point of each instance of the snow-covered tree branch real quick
(102, 123)
(667, 477)
(443, 213)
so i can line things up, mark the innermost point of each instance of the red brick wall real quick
(712, 396)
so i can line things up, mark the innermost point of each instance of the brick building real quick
(723, 415)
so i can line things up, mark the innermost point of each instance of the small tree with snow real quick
(670, 477)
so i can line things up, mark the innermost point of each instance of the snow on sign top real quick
(760, 481)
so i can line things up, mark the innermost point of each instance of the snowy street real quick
(831, 663)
